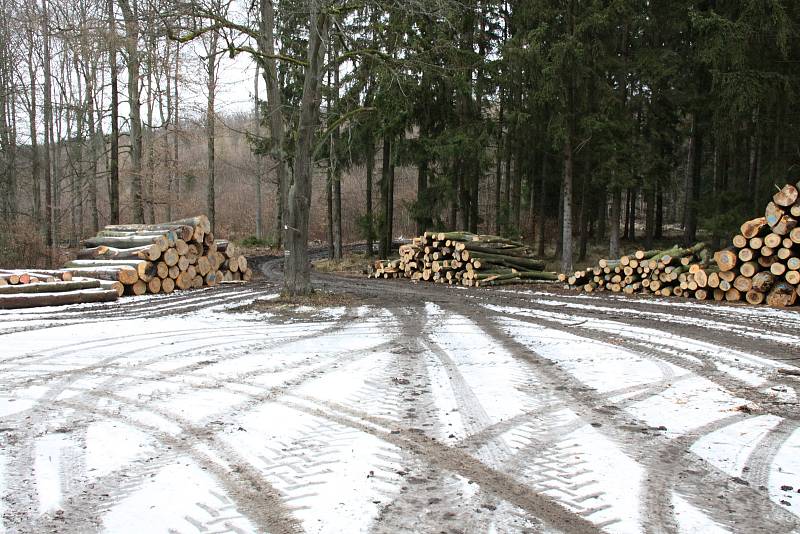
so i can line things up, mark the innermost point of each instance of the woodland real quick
(566, 123)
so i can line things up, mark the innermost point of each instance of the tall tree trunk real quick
(385, 226)
(540, 238)
(369, 215)
(650, 217)
(336, 174)
(277, 127)
(633, 194)
(175, 130)
(297, 277)
(693, 182)
(48, 125)
(113, 185)
(131, 17)
(614, 222)
(259, 160)
(566, 250)
(211, 119)
(35, 161)
(423, 220)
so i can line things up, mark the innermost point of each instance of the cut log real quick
(772, 240)
(137, 289)
(171, 257)
(794, 235)
(773, 214)
(746, 254)
(778, 268)
(793, 277)
(754, 227)
(726, 259)
(785, 225)
(167, 285)
(154, 285)
(174, 272)
(147, 252)
(763, 281)
(749, 269)
(50, 287)
(786, 196)
(733, 295)
(755, 297)
(756, 243)
(781, 295)
(793, 263)
(126, 275)
(743, 283)
(242, 264)
(9, 302)
(739, 241)
(128, 242)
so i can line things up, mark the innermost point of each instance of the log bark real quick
(9, 302)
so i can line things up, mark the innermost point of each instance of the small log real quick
(125, 274)
(748, 269)
(781, 295)
(793, 277)
(785, 225)
(743, 283)
(754, 227)
(755, 297)
(739, 241)
(778, 268)
(733, 295)
(154, 285)
(147, 252)
(793, 263)
(763, 281)
(786, 197)
(128, 242)
(10, 302)
(167, 285)
(726, 259)
(772, 240)
(50, 287)
(773, 214)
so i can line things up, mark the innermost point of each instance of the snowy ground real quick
(411, 410)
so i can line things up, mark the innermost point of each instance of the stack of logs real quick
(677, 271)
(160, 258)
(25, 289)
(463, 258)
(761, 266)
(764, 259)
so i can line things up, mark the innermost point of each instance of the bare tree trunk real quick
(175, 131)
(211, 197)
(48, 124)
(541, 241)
(113, 192)
(259, 160)
(616, 214)
(385, 231)
(277, 127)
(370, 216)
(297, 278)
(35, 161)
(131, 16)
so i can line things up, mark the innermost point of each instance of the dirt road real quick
(404, 408)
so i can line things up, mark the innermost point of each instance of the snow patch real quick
(730, 447)
(111, 445)
(691, 520)
(785, 473)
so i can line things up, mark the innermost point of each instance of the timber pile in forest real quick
(761, 266)
(676, 271)
(764, 258)
(463, 258)
(26, 289)
(160, 258)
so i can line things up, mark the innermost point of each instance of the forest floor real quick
(387, 406)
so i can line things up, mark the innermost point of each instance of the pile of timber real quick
(673, 272)
(25, 289)
(160, 258)
(463, 258)
(761, 266)
(763, 261)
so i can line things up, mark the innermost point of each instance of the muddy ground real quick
(399, 407)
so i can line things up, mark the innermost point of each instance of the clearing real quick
(399, 408)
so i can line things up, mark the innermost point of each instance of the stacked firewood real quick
(763, 262)
(24, 289)
(463, 258)
(659, 272)
(160, 258)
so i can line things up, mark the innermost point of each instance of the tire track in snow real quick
(621, 428)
